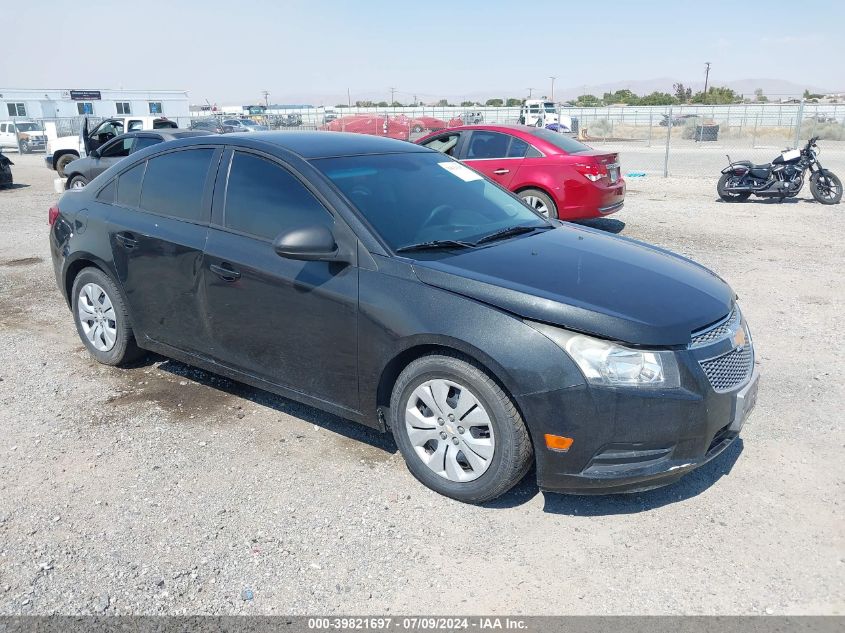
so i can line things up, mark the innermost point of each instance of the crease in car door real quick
(487, 152)
(289, 322)
(158, 232)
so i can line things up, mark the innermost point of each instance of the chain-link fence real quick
(689, 140)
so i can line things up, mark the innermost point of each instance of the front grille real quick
(730, 370)
(720, 330)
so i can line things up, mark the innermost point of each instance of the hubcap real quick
(450, 430)
(77, 184)
(97, 316)
(537, 204)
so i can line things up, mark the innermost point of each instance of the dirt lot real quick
(162, 489)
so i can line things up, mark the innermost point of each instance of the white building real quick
(64, 103)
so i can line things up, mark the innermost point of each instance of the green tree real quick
(717, 95)
(760, 97)
(513, 102)
(682, 93)
(396, 104)
(658, 98)
(494, 103)
(467, 104)
(621, 96)
(364, 104)
(588, 101)
(382, 104)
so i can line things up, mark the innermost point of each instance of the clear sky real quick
(228, 51)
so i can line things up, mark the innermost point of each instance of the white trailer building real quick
(64, 103)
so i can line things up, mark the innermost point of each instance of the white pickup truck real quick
(540, 113)
(65, 149)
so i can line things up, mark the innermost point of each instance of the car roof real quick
(490, 127)
(311, 145)
(168, 133)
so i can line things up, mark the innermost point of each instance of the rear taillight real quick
(591, 171)
(53, 214)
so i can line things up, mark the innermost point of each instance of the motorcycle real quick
(782, 178)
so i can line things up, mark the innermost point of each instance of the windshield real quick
(566, 143)
(422, 197)
(550, 107)
(28, 127)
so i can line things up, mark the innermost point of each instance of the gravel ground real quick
(161, 489)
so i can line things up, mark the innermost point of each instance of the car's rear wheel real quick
(102, 321)
(24, 148)
(459, 432)
(540, 202)
(63, 161)
(77, 182)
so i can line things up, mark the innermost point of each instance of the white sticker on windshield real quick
(464, 173)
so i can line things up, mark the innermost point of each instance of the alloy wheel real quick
(450, 430)
(537, 204)
(97, 316)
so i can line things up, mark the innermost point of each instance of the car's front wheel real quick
(77, 182)
(459, 432)
(101, 318)
(63, 161)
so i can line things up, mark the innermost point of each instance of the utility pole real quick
(266, 99)
(706, 75)
(348, 97)
(392, 91)
(529, 92)
(553, 87)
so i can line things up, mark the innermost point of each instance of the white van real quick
(66, 149)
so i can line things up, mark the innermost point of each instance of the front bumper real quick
(629, 440)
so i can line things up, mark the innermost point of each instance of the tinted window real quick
(487, 145)
(424, 196)
(107, 193)
(175, 182)
(118, 148)
(518, 148)
(129, 186)
(567, 144)
(264, 199)
(146, 141)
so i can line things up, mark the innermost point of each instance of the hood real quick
(589, 281)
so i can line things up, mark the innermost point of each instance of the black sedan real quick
(391, 285)
(81, 171)
(6, 179)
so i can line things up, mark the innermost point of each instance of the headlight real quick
(606, 363)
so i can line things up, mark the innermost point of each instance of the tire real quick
(484, 417)
(540, 202)
(730, 196)
(25, 148)
(77, 181)
(417, 129)
(110, 345)
(63, 161)
(826, 187)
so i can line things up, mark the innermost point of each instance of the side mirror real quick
(309, 243)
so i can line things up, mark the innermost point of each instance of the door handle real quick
(225, 272)
(501, 172)
(127, 240)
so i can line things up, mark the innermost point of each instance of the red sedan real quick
(373, 124)
(553, 173)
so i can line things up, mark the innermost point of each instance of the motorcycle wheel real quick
(826, 187)
(730, 196)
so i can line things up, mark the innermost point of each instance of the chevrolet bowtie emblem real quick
(739, 339)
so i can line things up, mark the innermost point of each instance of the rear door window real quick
(175, 183)
(517, 148)
(483, 144)
(264, 199)
(129, 186)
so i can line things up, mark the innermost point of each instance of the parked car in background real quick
(422, 123)
(467, 118)
(6, 179)
(83, 170)
(63, 150)
(372, 124)
(24, 136)
(540, 113)
(391, 285)
(244, 125)
(555, 174)
(211, 124)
